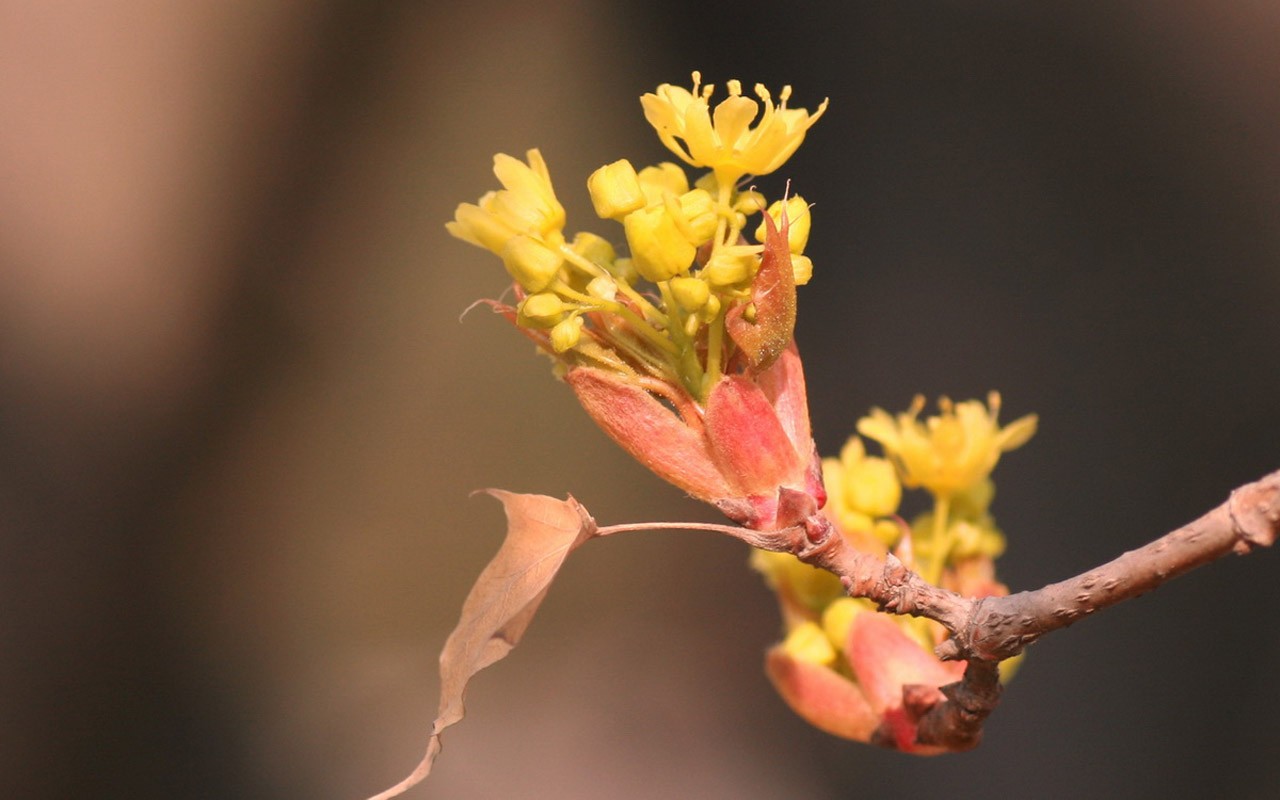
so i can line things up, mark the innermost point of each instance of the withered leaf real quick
(541, 532)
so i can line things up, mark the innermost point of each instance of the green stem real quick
(725, 194)
(637, 323)
(686, 361)
(591, 268)
(716, 344)
(715, 348)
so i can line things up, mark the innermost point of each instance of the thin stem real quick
(715, 350)
(724, 193)
(686, 355)
(731, 530)
(591, 268)
(637, 323)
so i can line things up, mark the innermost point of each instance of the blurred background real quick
(240, 416)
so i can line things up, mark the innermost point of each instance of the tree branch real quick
(987, 630)
(1002, 626)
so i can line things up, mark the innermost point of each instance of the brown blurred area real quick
(240, 416)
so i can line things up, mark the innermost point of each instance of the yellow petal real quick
(733, 118)
(1016, 433)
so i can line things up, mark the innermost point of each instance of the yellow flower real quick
(665, 178)
(951, 452)
(533, 265)
(615, 190)
(698, 216)
(812, 588)
(838, 616)
(594, 248)
(728, 309)
(691, 293)
(732, 265)
(659, 250)
(542, 310)
(973, 502)
(798, 222)
(525, 205)
(962, 538)
(801, 269)
(808, 642)
(862, 491)
(869, 483)
(566, 334)
(725, 140)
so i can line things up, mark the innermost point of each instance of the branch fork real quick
(987, 630)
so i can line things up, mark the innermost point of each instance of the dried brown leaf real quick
(541, 532)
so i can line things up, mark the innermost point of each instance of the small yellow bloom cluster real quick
(659, 311)
(822, 640)
(952, 545)
(949, 453)
(863, 494)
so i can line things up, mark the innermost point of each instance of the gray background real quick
(239, 417)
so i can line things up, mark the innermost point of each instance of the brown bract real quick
(773, 294)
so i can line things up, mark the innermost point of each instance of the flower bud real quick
(838, 616)
(533, 265)
(624, 269)
(698, 210)
(666, 178)
(801, 269)
(870, 484)
(594, 248)
(798, 222)
(615, 190)
(809, 644)
(691, 293)
(542, 310)
(566, 333)
(811, 587)
(659, 251)
(731, 266)
(712, 309)
(973, 502)
(603, 288)
(973, 539)
(749, 202)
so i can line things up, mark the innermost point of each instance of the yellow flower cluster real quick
(952, 545)
(951, 452)
(863, 493)
(587, 304)
(951, 455)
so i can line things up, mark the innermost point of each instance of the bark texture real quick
(988, 630)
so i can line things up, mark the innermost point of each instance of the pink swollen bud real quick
(886, 666)
(749, 451)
